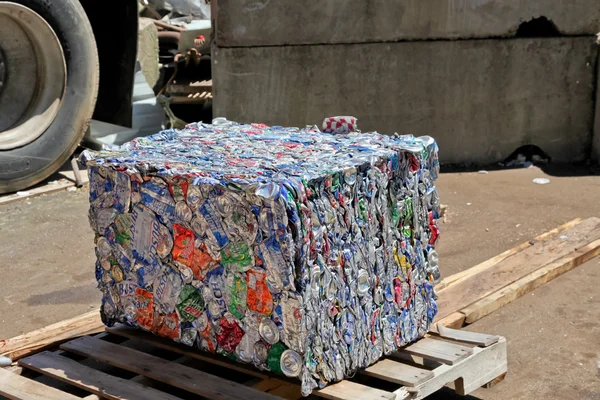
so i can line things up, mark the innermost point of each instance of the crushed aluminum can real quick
(230, 334)
(363, 283)
(260, 353)
(269, 331)
(291, 363)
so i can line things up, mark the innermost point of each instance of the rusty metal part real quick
(192, 57)
(175, 122)
(177, 58)
(170, 27)
(35, 75)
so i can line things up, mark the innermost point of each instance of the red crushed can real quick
(259, 298)
(186, 253)
(230, 334)
(167, 326)
(144, 304)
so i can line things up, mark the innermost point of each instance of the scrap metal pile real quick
(301, 252)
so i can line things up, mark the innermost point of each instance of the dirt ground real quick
(47, 270)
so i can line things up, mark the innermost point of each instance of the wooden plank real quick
(496, 381)
(455, 320)
(465, 292)
(92, 380)
(484, 365)
(137, 378)
(17, 387)
(528, 283)
(479, 339)
(47, 188)
(280, 388)
(468, 273)
(15, 369)
(51, 335)
(186, 378)
(348, 390)
(397, 372)
(131, 333)
(437, 350)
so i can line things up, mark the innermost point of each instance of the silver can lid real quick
(433, 258)
(269, 331)
(363, 283)
(104, 247)
(260, 354)
(245, 350)
(291, 363)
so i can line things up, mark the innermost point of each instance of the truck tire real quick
(48, 87)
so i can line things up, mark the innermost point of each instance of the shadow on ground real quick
(72, 295)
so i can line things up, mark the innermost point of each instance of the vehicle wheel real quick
(48, 87)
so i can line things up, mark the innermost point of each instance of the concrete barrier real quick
(282, 22)
(596, 133)
(481, 99)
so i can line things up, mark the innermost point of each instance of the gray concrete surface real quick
(490, 213)
(47, 272)
(481, 99)
(553, 337)
(267, 23)
(46, 262)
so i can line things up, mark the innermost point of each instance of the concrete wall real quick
(282, 22)
(481, 99)
(596, 131)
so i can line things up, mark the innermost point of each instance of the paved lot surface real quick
(47, 264)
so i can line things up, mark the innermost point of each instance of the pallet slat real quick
(455, 320)
(483, 366)
(348, 390)
(397, 372)
(492, 262)
(51, 335)
(90, 379)
(528, 283)
(17, 387)
(136, 334)
(277, 387)
(186, 378)
(465, 292)
(437, 350)
(479, 339)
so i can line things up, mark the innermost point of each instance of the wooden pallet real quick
(464, 297)
(124, 363)
(470, 295)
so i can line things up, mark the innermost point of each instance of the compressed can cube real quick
(303, 253)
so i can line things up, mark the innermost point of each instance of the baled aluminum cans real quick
(304, 253)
